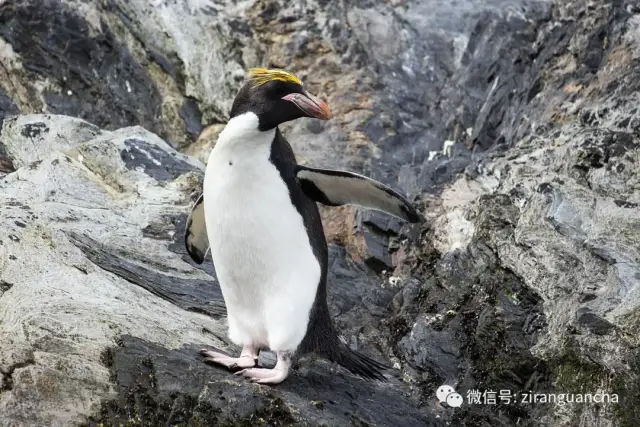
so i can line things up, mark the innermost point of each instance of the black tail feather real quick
(322, 339)
(360, 365)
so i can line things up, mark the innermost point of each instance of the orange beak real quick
(311, 105)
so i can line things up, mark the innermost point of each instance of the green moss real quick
(274, 414)
(423, 293)
(511, 294)
(574, 375)
(398, 327)
(627, 387)
(205, 415)
(140, 409)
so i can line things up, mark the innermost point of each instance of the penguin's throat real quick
(241, 132)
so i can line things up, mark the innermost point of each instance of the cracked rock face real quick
(514, 125)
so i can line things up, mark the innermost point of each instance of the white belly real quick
(263, 259)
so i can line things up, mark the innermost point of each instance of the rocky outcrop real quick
(102, 311)
(513, 125)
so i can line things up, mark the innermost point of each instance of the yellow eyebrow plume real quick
(260, 76)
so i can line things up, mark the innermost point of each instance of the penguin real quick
(258, 215)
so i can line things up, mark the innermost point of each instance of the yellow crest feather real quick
(260, 76)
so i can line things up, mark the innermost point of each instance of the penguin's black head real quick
(277, 96)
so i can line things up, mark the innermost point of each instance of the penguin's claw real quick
(229, 362)
(245, 364)
(264, 376)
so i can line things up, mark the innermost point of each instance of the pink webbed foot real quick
(269, 376)
(248, 358)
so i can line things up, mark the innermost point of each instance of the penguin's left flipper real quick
(195, 235)
(335, 188)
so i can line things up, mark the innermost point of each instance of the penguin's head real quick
(277, 96)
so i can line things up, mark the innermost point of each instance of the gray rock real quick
(90, 74)
(120, 63)
(77, 271)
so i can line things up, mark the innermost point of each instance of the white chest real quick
(259, 244)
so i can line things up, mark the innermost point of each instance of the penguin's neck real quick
(241, 134)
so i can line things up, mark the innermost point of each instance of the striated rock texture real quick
(513, 124)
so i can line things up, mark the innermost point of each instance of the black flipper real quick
(335, 188)
(195, 235)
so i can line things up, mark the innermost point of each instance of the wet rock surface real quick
(157, 386)
(513, 125)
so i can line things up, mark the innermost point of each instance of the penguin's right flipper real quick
(335, 188)
(195, 235)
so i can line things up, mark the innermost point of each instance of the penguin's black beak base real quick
(311, 105)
